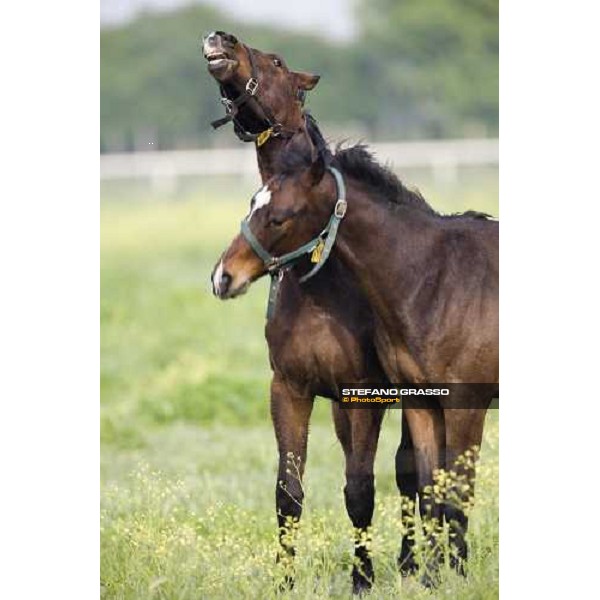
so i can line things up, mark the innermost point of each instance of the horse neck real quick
(306, 130)
(386, 246)
(267, 154)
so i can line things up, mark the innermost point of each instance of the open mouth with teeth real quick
(219, 62)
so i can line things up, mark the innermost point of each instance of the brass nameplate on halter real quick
(315, 257)
(264, 137)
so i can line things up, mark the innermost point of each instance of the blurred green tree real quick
(436, 64)
(417, 69)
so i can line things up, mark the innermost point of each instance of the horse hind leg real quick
(358, 432)
(428, 436)
(406, 480)
(464, 431)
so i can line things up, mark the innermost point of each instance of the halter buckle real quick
(252, 86)
(273, 265)
(228, 104)
(340, 208)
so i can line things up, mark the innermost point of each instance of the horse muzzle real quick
(223, 285)
(221, 61)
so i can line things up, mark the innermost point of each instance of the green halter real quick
(320, 247)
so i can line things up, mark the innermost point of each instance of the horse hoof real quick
(430, 580)
(361, 587)
(458, 564)
(286, 585)
(407, 566)
(362, 582)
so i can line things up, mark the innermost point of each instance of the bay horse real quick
(431, 280)
(321, 332)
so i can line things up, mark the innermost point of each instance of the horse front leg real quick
(358, 432)
(290, 412)
(406, 481)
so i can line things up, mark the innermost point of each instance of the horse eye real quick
(276, 222)
(276, 62)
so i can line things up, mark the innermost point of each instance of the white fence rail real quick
(437, 155)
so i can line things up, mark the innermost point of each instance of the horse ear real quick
(317, 169)
(305, 81)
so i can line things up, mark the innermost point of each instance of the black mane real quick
(356, 162)
(360, 164)
(471, 214)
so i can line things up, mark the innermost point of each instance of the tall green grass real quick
(188, 455)
(192, 516)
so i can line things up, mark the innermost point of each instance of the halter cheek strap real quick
(319, 247)
(331, 230)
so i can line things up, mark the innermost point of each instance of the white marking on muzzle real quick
(216, 280)
(261, 198)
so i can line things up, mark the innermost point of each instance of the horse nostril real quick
(220, 282)
(224, 283)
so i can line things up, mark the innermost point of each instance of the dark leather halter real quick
(232, 107)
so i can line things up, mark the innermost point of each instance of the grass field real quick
(188, 454)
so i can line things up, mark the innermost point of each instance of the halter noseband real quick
(232, 108)
(319, 247)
